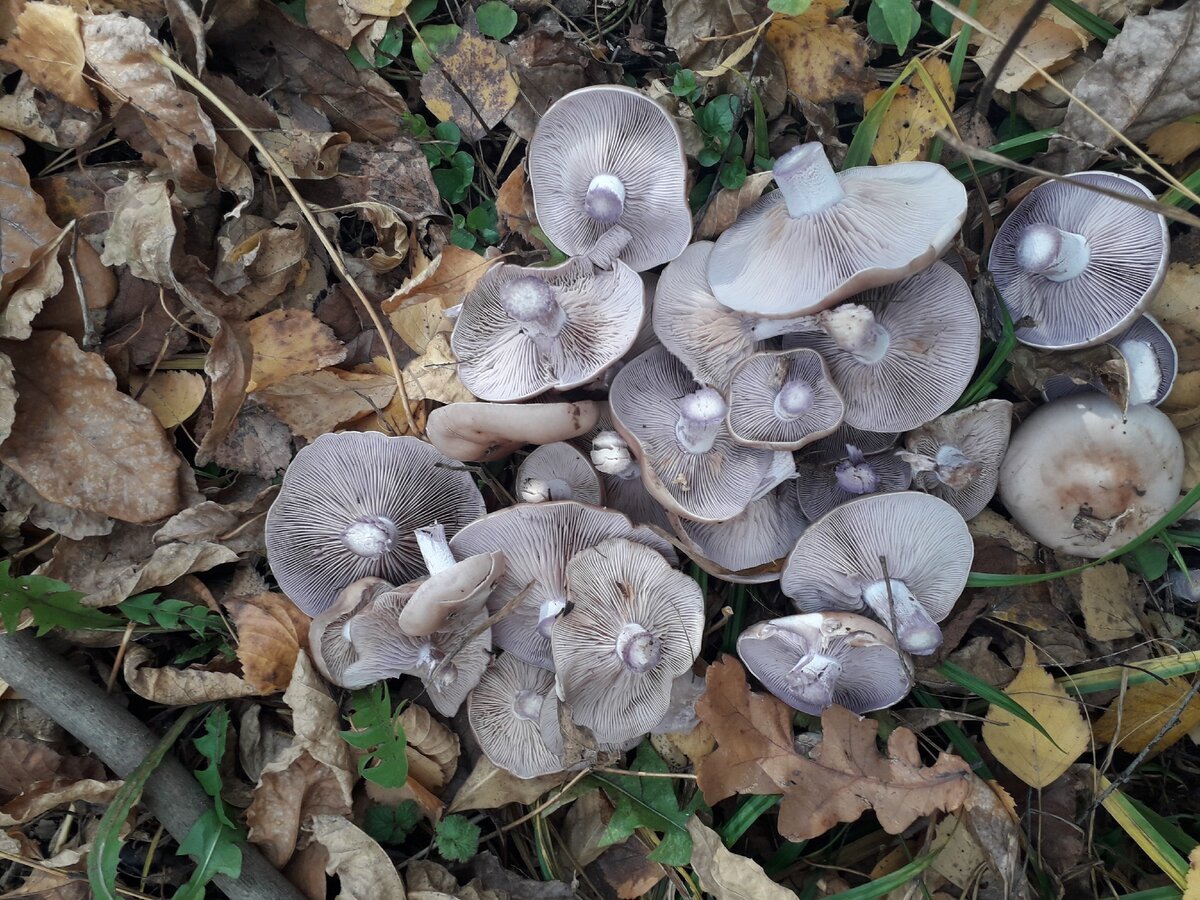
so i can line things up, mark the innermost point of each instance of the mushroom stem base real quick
(807, 181)
(895, 605)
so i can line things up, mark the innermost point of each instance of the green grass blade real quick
(986, 381)
(992, 695)
(1153, 844)
(1163, 893)
(1019, 148)
(1110, 677)
(1100, 29)
(859, 151)
(880, 887)
(748, 812)
(1176, 836)
(1175, 198)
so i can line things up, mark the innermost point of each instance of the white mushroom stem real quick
(435, 549)
(954, 468)
(611, 455)
(807, 181)
(1145, 373)
(700, 417)
(549, 611)
(765, 329)
(542, 490)
(815, 678)
(855, 475)
(533, 303)
(1056, 254)
(605, 199)
(855, 329)
(527, 705)
(609, 246)
(371, 536)
(638, 648)
(894, 604)
(794, 399)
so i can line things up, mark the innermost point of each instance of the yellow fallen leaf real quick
(959, 857)
(1177, 308)
(171, 396)
(471, 69)
(1020, 747)
(914, 116)
(434, 375)
(1051, 42)
(48, 47)
(726, 875)
(1142, 713)
(447, 279)
(1192, 890)
(1175, 142)
(290, 342)
(824, 56)
(385, 9)
(1106, 599)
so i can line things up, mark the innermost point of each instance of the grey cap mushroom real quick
(522, 332)
(901, 354)
(538, 540)
(1075, 266)
(505, 712)
(1082, 477)
(329, 642)
(606, 159)
(689, 460)
(814, 660)
(920, 541)
(825, 236)
(482, 432)
(832, 448)
(634, 626)
(783, 400)
(347, 509)
(455, 593)
(823, 486)
(957, 456)
(621, 475)
(557, 472)
(1152, 359)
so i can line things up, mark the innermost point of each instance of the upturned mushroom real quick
(621, 476)
(348, 507)
(823, 486)
(457, 591)
(634, 626)
(482, 432)
(815, 660)
(957, 456)
(505, 712)
(329, 642)
(557, 472)
(1152, 359)
(607, 162)
(825, 236)
(1082, 477)
(1075, 266)
(522, 332)
(783, 400)
(689, 460)
(904, 557)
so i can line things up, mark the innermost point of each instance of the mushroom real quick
(689, 460)
(607, 158)
(957, 456)
(825, 236)
(505, 712)
(538, 540)
(482, 432)
(347, 509)
(621, 476)
(823, 486)
(832, 448)
(1076, 267)
(329, 642)
(783, 400)
(750, 547)
(457, 591)
(522, 332)
(1082, 478)
(904, 557)
(901, 354)
(1152, 360)
(557, 472)
(815, 660)
(634, 626)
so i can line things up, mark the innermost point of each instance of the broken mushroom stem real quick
(701, 415)
(854, 328)
(370, 537)
(611, 455)
(807, 180)
(609, 247)
(814, 678)
(898, 608)
(435, 549)
(950, 466)
(639, 649)
(533, 303)
(1051, 252)
(855, 475)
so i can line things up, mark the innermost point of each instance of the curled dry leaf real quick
(1177, 308)
(844, 776)
(44, 796)
(514, 206)
(173, 396)
(472, 85)
(179, 687)
(21, 503)
(26, 290)
(110, 455)
(434, 374)
(48, 47)
(825, 57)
(27, 242)
(258, 260)
(290, 342)
(34, 114)
(363, 868)
(488, 787)
(271, 631)
(432, 750)
(316, 403)
(416, 309)
(727, 205)
(8, 397)
(726, 875)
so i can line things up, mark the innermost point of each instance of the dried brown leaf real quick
(8, 398)
(627, 870)
(290, 342)
(258, 443)
(585, 825)
(271, 632)
(24, 761)
(26, 290)
(1135, 718)
(39, 116)
(179, 687)
(25, 228)
(726, 875)
(825, 57)
(1051, 42)
(488, 787)
(1108, 603)
(258, 260)
(143, 230)
(316, 403)
(472, 85)
(173, 396)
(434, 374)
(44, 796)
(727, 205)
(844, 776)
(109, 454)
(433, 749)
(396, 174)
(514, 205)
(48, 47)
(363, 868)
(306, 154)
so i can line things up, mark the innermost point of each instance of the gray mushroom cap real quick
(347, 509)
(823, 486)
(482, 432)
(329, 643)
(606, 157)
(832, 448)
(558, 472)
(838, 564)
(634, 626)
(689, 460)
(538, 541)
(901, 354)
(957, 456)
(505, 711)
(783, 400)
(1082, 477)
(825, 236)
(1076, 267)
(522, 332)
(453, 596)
(816, 660)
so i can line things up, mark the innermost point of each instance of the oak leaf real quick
(844, 776)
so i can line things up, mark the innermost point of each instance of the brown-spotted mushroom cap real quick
(607, 157)
(538, 540)
(347, 509)
(750, 547)
(328, 637)
(1152, 359)
(838, 564)
(482, 432)
(522, 332)
(505, 712)
(815, 660)
(557, 472)
(957, 456)
(823, 486)
(783, 400)
(1081, 477)
(902, 354)
(634, 626)
(832, 448)
(690, 461)
(825, 236)
(1076, 267)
